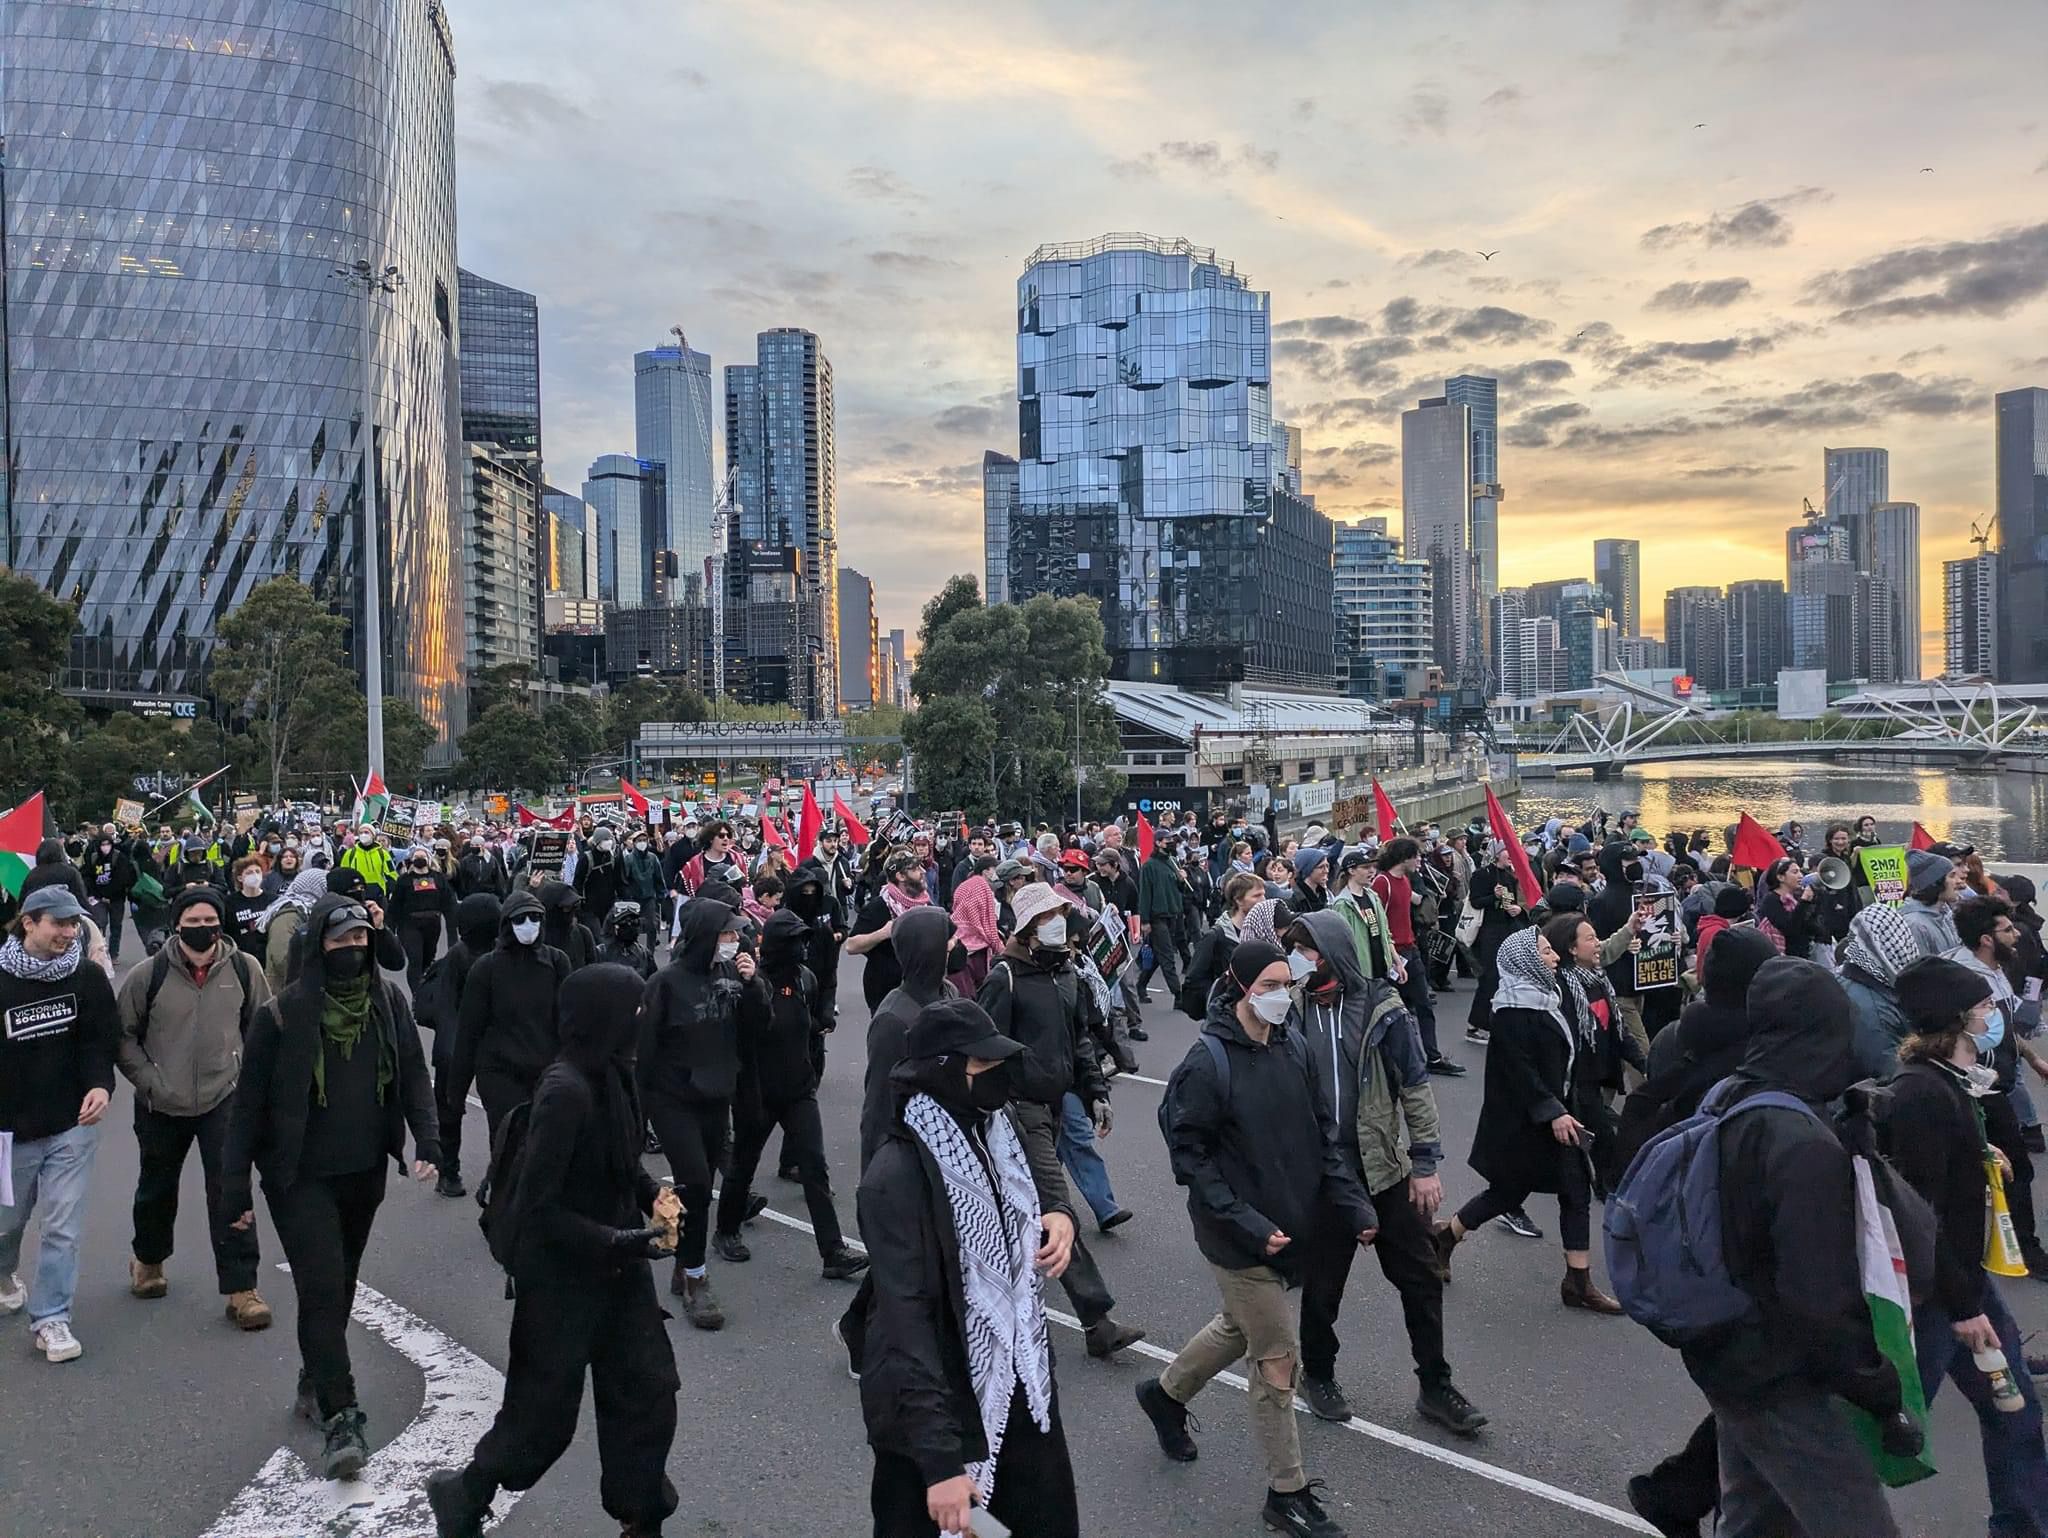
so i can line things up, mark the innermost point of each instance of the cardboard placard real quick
(128, 814)
(1662, 934)
(1884, 867)
(1110, 946)
(550, 849)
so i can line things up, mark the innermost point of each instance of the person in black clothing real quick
(809, 896)
(600, 874)
(562, 923)
(697, 1009)
(585, 1299)
(437, 1004)
(505, 1035)
(951, 1297)
(332, 1078)
(1785, 902)
(422, 905)
(385, 947)
(249, 900)
(1119, 889)
(109, 875)
(778, 1087)
(622, 946)
(904, 872)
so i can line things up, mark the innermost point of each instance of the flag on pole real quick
(199, 807)
(856, 830)
(1921, 838)
(1145, 837)
(1882, 1260)
(809, 821)
(562, 821)
(635, 802)
(1383, 812)
(772, 835)
(372, 800)
(1497, 823)
(1755, 847)
(21, 830)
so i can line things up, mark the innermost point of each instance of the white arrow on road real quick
(287, 1499)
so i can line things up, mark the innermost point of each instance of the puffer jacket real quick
(1036, 999)
(183, 1053)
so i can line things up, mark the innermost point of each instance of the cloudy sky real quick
(1718, 246)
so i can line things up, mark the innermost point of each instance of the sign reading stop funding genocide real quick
(1884, 867)
(550, 849)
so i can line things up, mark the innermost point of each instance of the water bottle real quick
(2005, 1389)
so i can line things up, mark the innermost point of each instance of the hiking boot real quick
(457, 1513)
(731, 1247)
(1170, 1421)
(1443, 1239)
(1442, 1403)
(1577, 1291)
(1517, 1222)
(1324, 1399)
(450, 1185)
(1299, 1512)
(1450, 1070)
(12, 1294)
(345, 1451)
(1106, 1337)
(700, 1304)
(248, 1311)
(146, 1281)
(844, 1264)
(1653, 1503)
(54, 1339)
(1116, 1219)
(306, 1403)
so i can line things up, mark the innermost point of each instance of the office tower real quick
(499, 516)
(672, 420)
(2021, 495)
(628, 498)
(1146, 467)
(1481, 398)
(1638, 653)
(572, 543)
(183, 370)
(1696, 634)
(500, 330)
(1436, 525)
(899, 667)
(859, 642)
(1560, 595)
(1385, 638)
(1618, 571)
(1758, 645)
(1969, 615)
(1886, 543)
(1287, 456)
(1855, 481)
(1874, 632)
(1586, 636)
(998, 507)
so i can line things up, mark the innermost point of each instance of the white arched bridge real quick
(1971, 722)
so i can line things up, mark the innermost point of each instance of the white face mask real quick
(252, 882)
(526, 931)
(1299, 967)
(727, 949)
(1272, 1007)
(641, 845)
(1052, 934)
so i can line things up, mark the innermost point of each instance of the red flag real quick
(808, 822)
(1383, 812)
(1498, 824)
(1754, 845)
(855, 828)
(772, 835)
(562, 821)
(636, 802)
(1144, 837)
(1921, 838)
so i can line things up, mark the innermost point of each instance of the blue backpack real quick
(1665, 1259)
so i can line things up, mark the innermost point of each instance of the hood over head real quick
(922, 937)
(476, 919)
(1331, 937)
(558, 898)
(704, 921)
(1732, 964)
(804, 892)
(598, 1015)
(783, 941)
(1612, 857)
(520, 905)
(1801, 1030)
(720, 892)
(312, 970)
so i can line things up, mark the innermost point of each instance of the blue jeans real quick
(2015, 1460)
(54, 1171)
(1077, 1153)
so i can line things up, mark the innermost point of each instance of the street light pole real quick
(361, 275)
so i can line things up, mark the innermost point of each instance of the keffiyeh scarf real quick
(997, 1234)
(307, 888)
(1525, 982)
(900, 902)
(15, 961)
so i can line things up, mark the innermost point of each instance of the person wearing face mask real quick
(332, 1079)
(437, 1006)
(585, 1299)
(958, 1392)
(248, 903)
(184, 1018)
(641, 883)
(696, 1010)
(422, 909)
(600, 875)
(481, 868)
(505, 1032)
(563, 926)
(109, 876)
(621, 946)
(1934, 1134)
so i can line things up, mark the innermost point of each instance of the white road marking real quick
(1365, 1428)
(389, 1498)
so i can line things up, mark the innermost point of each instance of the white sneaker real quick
(12, 1295)
(56, 1342)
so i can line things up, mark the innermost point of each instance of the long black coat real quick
(1528, 1079)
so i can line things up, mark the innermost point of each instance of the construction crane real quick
(1981, 535)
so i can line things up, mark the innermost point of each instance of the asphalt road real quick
(171, 1412)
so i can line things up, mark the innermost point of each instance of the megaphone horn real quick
(1833, 873)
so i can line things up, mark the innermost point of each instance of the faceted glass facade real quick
(615, 491)
(672, 416)
(1436, 526)
(2021, 491)
(500, 365)
(184, 370)
(998, 507)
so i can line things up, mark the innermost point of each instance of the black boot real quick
(1442, 1403)
(1300, 1513)
(458, 1510)
(1170, 1421)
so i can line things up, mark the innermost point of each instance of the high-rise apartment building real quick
(1529, 658)
(998, 508)
(1969, 612)
(859, 642)
(1480, 396)
(1855, 480)
(672, 428)
(1758, 645)
(181, 407)
(625, 494)
(1696, 634)
(500, 328)
(1436, 526)
(2021, 494)
(1385, 637)
(500, 513)
(899, 667)
(1618, 572)
(1885, 544)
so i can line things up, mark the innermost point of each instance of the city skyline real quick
(1666, 311)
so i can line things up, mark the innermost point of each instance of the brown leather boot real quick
(145, 1281)
(248, 1311)
(1578, 1291)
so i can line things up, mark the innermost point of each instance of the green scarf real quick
(344, 1012)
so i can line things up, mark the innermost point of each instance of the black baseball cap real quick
(958, 1026)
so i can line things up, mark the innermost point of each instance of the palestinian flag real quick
(1883, 1262)
(20, 831)
(199, 808)
(372, 800)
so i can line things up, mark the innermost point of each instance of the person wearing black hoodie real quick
(505, 1037)
(696, 1010)
(778, 1087)
(622, 946)
(437, 1004)
(563, 926)
(332, 1079)
(585, 1299)
(1789, 1238)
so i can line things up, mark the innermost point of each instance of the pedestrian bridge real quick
(1962, 724)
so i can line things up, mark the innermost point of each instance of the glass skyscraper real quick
(672, 417)
(184, 372)
(501, 413)
(1436, 526)
(998, 508)
(1481, 397)
(617, 491)
(2022, 495)
(1618, 573)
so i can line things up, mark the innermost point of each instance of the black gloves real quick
(1901, 1435)
(638, 1243)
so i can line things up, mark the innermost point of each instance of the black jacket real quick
(422, 897)
(267, 1119)
(922, 937)
(480, 871)
(506, 1022)
(57, 1041)
(1037, 1000)
(809, 896)
(694, 1013)
(1788, 1210)
(107, 876)
(628, 953)
(1705, 1046)
(1261, 1153)
(775, 1061)
(1795, 920)
(1529, 1076)
(563, 925)
(1935, 1139)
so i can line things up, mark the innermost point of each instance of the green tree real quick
(106, 760)
(575, 729)
(275, 665)
(339, 745)
(881, 721)
(952, 737)
(634, 703)
(502, 751)
(958, 595)
(504, 684)
(36, 722)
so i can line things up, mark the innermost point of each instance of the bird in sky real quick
(1699, 125)
(1925, 169)
(1487, 256)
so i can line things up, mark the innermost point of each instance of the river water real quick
(2004, 815)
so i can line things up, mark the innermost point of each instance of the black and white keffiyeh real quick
(997, 1233)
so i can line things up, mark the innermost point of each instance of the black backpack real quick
(433, 1004)
(160, 970)
(498, 1196)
